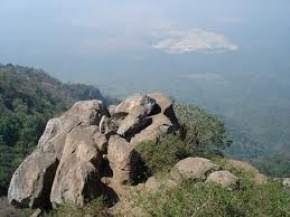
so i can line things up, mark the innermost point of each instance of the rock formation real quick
(89, 151)
(86, 145)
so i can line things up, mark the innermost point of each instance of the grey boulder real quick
(77, 175)
(31, 183)
(194, 168)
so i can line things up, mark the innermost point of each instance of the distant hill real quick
(35, 87)
(28, 98)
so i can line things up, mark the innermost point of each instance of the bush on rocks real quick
(200, 128)
(160, 155)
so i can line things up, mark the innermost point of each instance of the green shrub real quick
(204, 200)
(160, 155)
(201, 129)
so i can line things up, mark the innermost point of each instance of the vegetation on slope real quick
(203, 133)
(207, 200)
(28, 98)
(96, 208)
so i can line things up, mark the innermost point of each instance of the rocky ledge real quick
(87, 146)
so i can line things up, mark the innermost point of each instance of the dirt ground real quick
(6, 210)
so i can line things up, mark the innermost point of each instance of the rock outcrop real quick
(87, 145)
(89, 151)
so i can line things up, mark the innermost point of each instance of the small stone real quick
(37, 213)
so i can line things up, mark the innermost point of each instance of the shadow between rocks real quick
(139, 171)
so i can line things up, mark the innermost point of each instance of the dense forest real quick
(28, 98)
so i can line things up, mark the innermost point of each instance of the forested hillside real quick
(28, 98)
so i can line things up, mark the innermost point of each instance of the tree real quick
(200, 129)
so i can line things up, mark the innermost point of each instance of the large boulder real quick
(132, 124)
(82, 113)
(131, 115)
(160, 125)
(162, 101)
(31, 183)
(120, 155)
(192, 168)
(144, 117)
(223, 178)
(138, 102)
(77, 175)
(165, 105)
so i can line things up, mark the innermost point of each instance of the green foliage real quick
(200, 128)
(204, 200)
(160, 155)
(95, 208)
(28, 98)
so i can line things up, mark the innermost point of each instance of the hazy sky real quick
(230, 56)
(95, 41)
